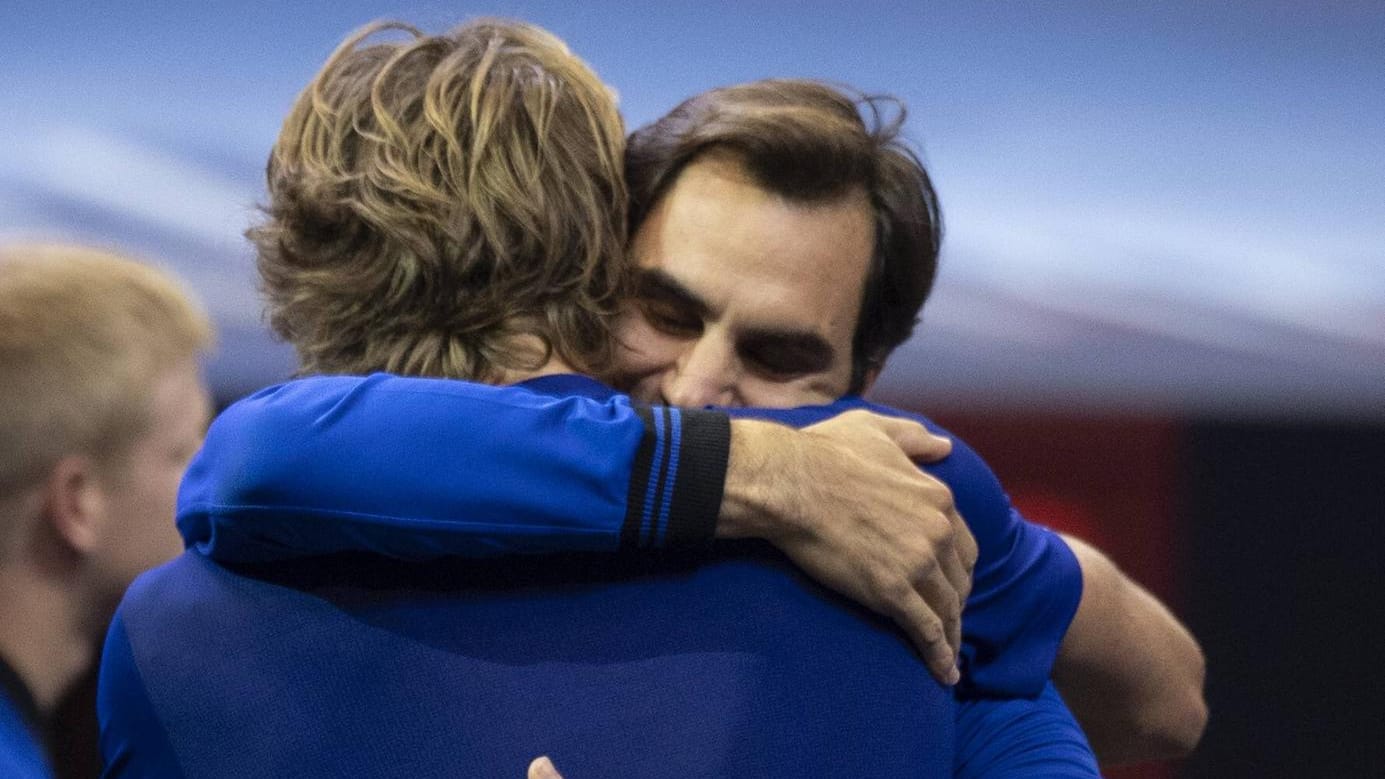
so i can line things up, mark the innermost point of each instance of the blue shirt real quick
(710, 665)
(1021, 737)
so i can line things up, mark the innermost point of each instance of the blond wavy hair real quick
(447, 205)
(84, 335)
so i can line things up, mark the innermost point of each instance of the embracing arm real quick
(424, 468)
(1130, 671)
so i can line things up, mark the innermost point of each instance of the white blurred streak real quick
(155, 205)
(125, 177)
(1198, 279)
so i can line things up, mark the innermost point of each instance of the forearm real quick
(762, 494)
(1130, 671)
(418, 469)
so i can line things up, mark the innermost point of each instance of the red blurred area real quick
(1110, 481)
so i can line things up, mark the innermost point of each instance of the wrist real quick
(760, 497)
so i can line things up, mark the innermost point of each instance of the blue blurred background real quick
(1162, 304)
(1179, 208)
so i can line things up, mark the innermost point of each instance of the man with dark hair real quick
(806, 143)
(785, 248)
(103, 405)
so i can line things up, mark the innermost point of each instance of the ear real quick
(74, 504)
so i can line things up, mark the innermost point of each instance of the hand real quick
(542, 768)
(845, 501)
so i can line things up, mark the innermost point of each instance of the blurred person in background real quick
(103, 404)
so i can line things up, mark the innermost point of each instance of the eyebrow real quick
(657, 283)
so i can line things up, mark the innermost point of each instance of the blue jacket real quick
(706, 663)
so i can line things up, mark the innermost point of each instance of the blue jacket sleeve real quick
(423, 468)
(1021, 737)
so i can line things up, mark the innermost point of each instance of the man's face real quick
(744, 298)
(139, 490)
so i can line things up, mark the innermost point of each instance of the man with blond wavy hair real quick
(103, 404)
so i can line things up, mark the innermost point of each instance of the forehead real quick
(180, 405)
(756, 257)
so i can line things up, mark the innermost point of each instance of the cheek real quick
(813, 391)
(158, 497)
(141, 531)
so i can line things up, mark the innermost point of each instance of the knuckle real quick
(897, 591)
(940, 534)
(924, 569)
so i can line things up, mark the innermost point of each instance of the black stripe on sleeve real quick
(701, 478)
(639, 481)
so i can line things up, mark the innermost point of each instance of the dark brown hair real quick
(811, 142)
(439, 203)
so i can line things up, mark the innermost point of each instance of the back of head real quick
(439, 203)
(84, 335)
(810, 142)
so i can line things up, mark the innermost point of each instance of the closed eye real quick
(670, 318)
(785, 355)
(667, 305)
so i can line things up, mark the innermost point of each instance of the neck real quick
(46, 634)
(517, 376)
(550, 368)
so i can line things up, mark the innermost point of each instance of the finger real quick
(938, 588)
(925, 630)
(947, 602)
(542, 768)
(964, 542)
(960, 561)
(917, 442)
(952, 565)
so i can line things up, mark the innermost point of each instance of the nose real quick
(705, 374)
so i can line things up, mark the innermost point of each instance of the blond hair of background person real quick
(103, 403)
